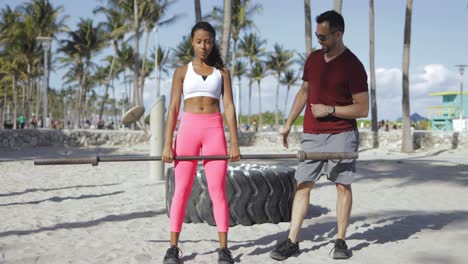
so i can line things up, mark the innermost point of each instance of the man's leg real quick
(290, 247)
(299, 209)
(344, 204)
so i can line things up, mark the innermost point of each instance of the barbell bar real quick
(300, 156)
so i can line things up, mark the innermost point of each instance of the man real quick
(334, 93)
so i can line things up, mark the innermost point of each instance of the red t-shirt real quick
(332, 83)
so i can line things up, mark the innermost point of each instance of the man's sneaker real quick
(172, 256)
(224, 256)
(341, 250)
(285, 250)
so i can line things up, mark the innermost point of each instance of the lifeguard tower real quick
(442, 116)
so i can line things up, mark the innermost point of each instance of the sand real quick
(408, 208)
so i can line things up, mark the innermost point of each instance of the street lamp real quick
(46, 43)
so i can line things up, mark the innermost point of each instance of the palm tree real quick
(15, 35)
(308, 27)
(165, 57)
(251, 47)
(241, 19)
(337, 5)
(153, 14)
(136, 65)
(407, 140)
(46, 21)
(372, 76)
(15, 69)
(242, 13)
(100, 77)
(46, 18)
(115, 28)
(125, 62)
(302, 58)
(289, 79)
(81, 46)
(183, 52)
(259, 72)
(278, 61)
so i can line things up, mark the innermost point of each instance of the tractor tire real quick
(256, 195)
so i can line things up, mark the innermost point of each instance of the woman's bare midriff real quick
(201, 105)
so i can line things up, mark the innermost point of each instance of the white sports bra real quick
(194, 85)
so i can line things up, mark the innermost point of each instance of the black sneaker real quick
(172, 256)
(341, 250)
(224, 256)
(285, 250)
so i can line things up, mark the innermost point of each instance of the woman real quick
(202, 82)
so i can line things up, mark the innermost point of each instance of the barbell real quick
(300, 156)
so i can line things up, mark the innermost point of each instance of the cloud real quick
(426, 79)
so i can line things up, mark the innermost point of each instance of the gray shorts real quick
(339, 171)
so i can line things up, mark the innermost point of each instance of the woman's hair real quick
(214, 59)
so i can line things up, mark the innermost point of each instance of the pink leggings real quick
(205, 132)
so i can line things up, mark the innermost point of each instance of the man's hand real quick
(319, 110)
(285, 133)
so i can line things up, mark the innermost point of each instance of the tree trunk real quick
(233, 58)
(4, 106)
(15, 100)
(308, 27)
(260, 120)
(277, 103)
(29, 98)
(250, 100)
(374, 118)
(337, 5)
(143, 67)
(104, 100)
(239, 104)
(157, 70)
(38, 97)
(198, 15)
(136, 28)
(226, 35)
(286, 101)
(407, 140)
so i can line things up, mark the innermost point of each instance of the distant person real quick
(48, 122)
(334, 93)
(40, 122)
(33, 121)
(21, 121)
(203, 83)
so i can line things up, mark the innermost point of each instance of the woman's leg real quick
(214, 143)
(186, 145)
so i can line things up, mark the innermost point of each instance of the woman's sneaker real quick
(285, 250)
(225, 256)
(172, 256)
(341, 250)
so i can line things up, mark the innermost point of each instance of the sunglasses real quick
(324, 38)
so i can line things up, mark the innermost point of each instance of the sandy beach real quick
(408, 208)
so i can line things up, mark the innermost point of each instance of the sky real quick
(439, 41)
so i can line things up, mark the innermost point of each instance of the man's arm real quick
(298, 105)
(359, 108)
(299, 102)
